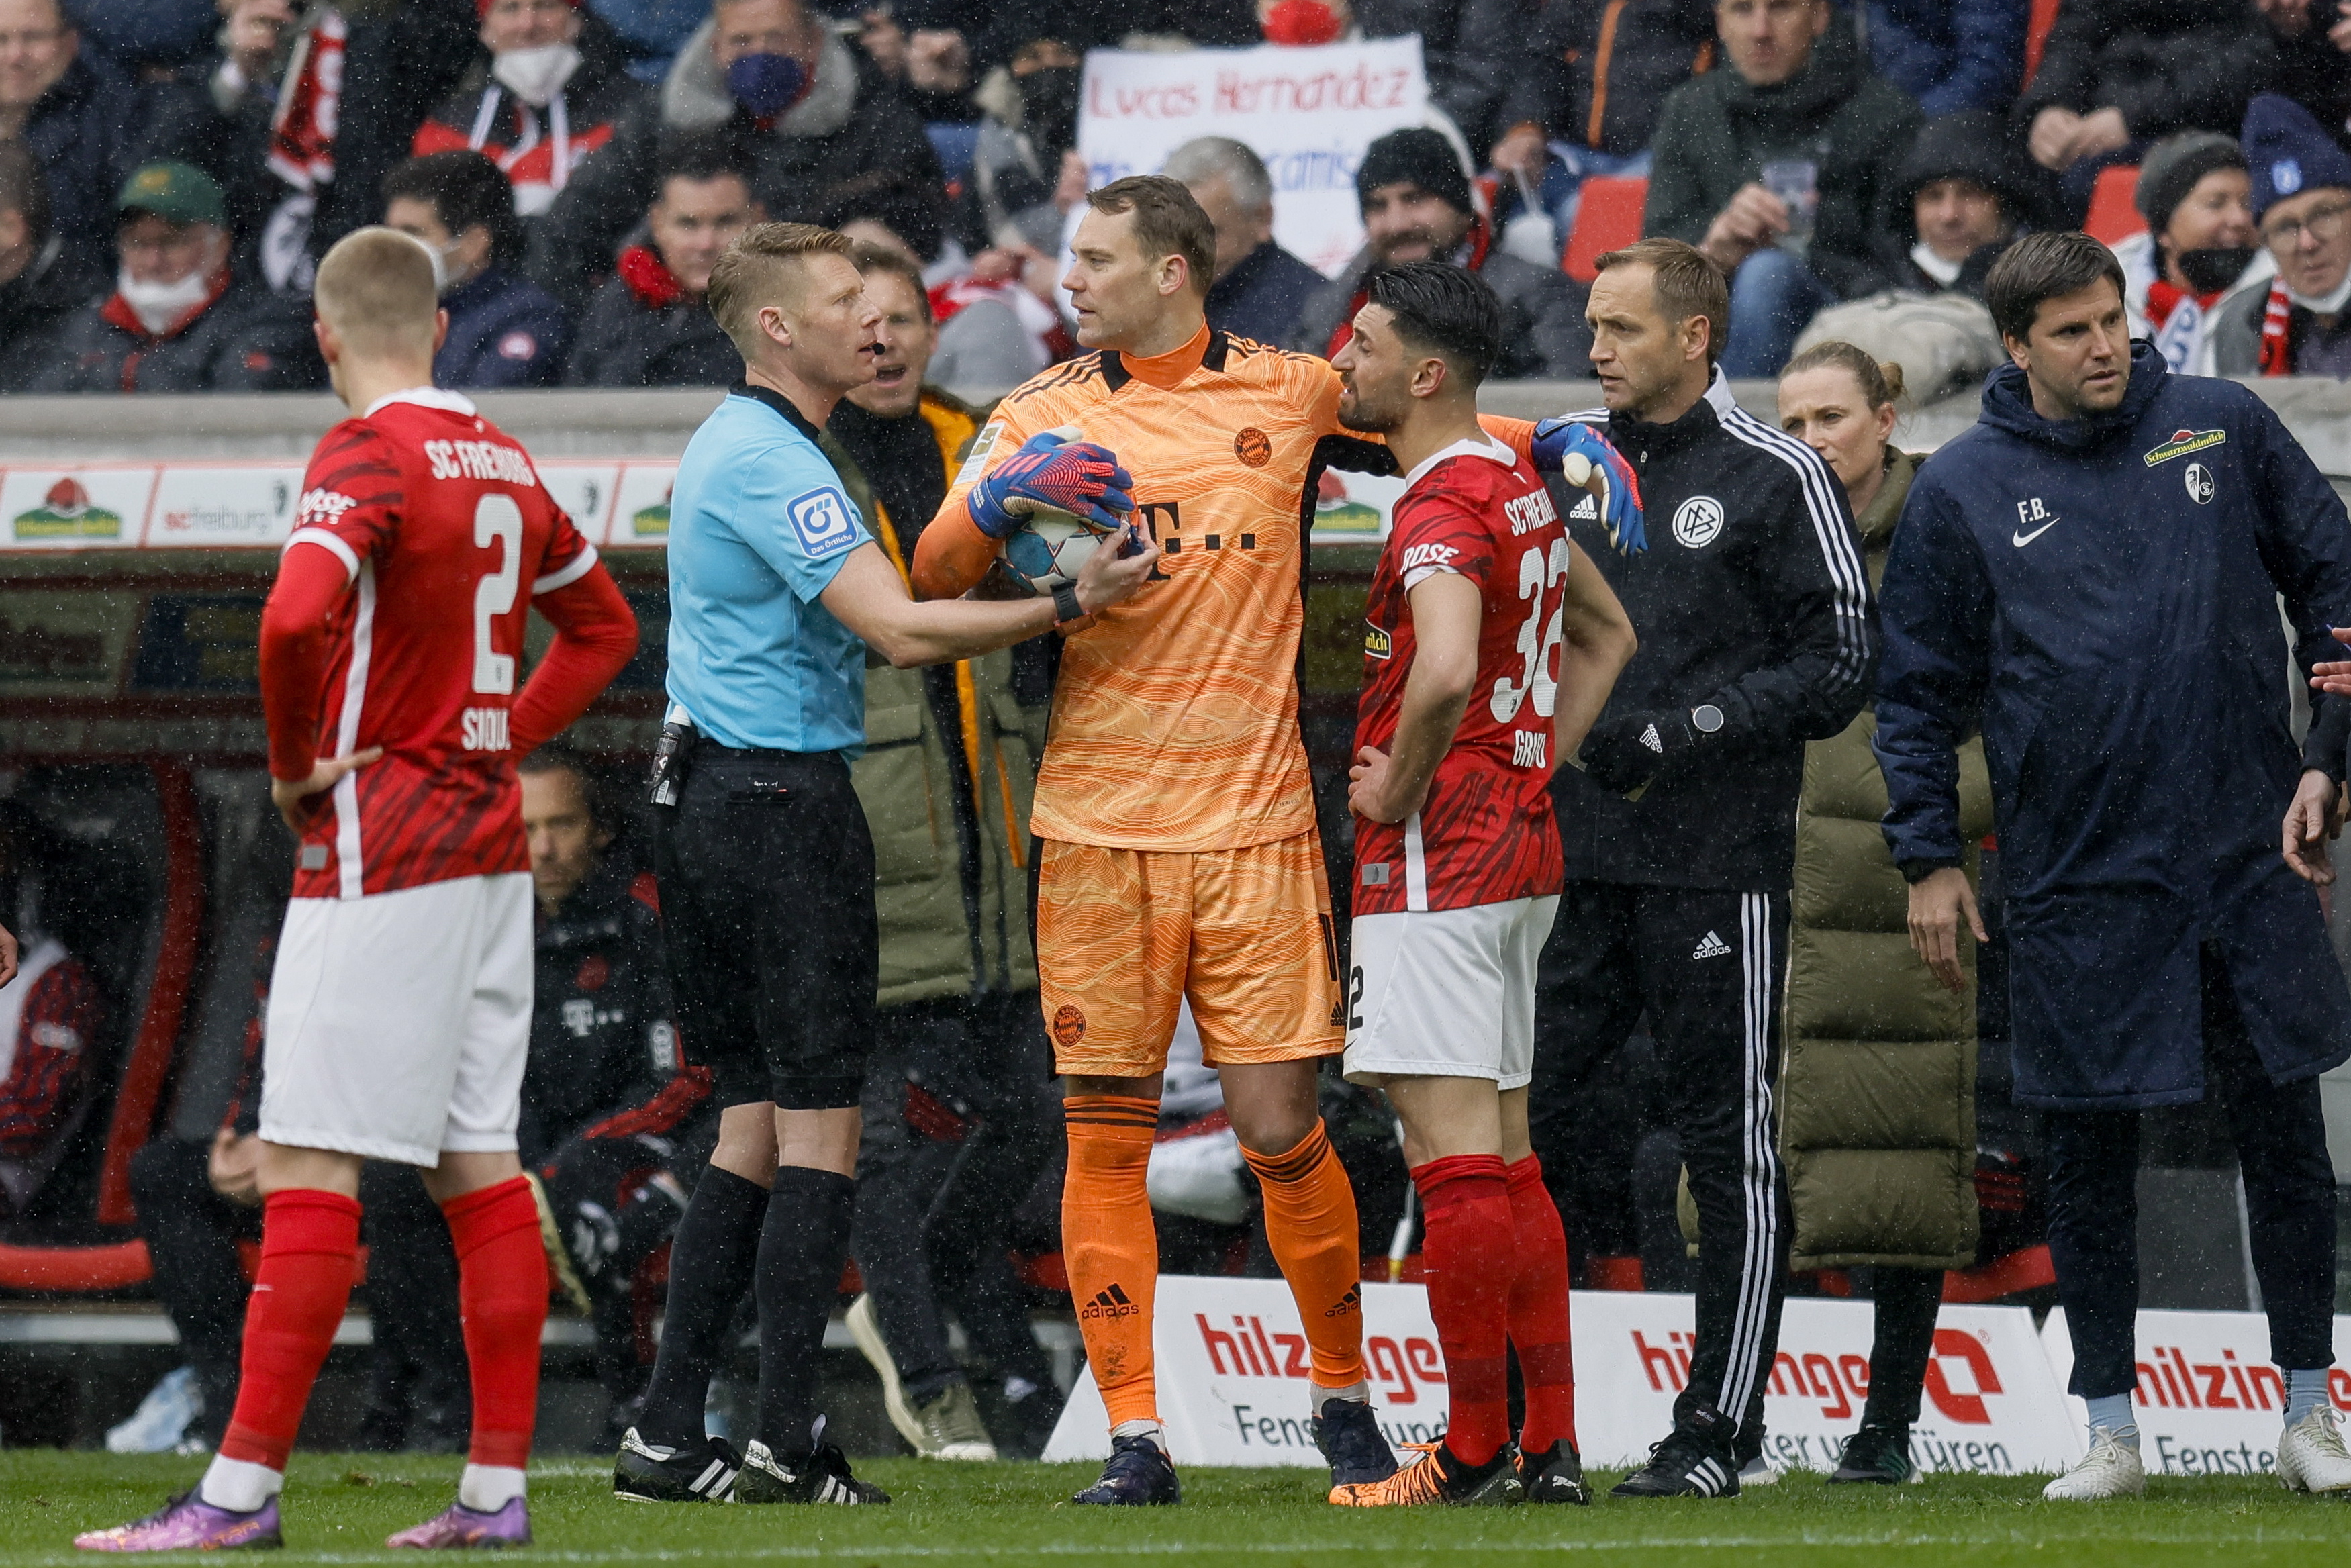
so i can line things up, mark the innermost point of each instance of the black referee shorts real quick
(766, 869)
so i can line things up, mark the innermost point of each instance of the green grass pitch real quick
(341, 1507)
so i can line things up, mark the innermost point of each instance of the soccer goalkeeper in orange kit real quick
(1180, 852)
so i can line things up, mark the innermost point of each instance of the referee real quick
(765, 868)
(1757, 634)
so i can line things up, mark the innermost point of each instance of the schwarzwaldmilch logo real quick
(1110, 1303)
(652, 522)
(2184, 441)
(67, 513)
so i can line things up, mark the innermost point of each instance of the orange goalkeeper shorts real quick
(1124, 935)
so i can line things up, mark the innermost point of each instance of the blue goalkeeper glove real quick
(1050, 470)
(1620, 506)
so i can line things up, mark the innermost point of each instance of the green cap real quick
(176, 193)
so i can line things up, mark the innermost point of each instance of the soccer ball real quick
(1050, 549)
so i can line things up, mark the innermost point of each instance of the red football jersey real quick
(440, 520)
(1486, 833)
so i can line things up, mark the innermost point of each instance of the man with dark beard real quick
(1418, 208)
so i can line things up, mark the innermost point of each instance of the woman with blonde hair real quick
(1877, 1089)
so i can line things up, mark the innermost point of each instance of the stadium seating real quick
(135, 916)
(1607, 216)
(2113, 217)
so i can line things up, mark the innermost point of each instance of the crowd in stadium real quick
(1853, 180)
(579, 166)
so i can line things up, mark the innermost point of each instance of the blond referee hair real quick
(379, 289)
(766, 267)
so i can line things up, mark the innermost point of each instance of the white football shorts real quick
(1447, 993)
(399, 1022)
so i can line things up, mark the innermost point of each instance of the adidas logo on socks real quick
(1110, 1303)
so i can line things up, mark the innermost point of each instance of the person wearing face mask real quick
(539, 105)
(1028, 132)
(815, 123)
(648, 326)
(180, 320)
(2198, 251)
(504, 331)
(2301, 207)
(1965, 195)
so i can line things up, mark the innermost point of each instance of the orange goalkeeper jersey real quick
(1176, 719)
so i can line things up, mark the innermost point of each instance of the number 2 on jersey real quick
(496, 521)
(1539, 640)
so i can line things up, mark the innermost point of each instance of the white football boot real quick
(2111, 1469)
(2312, 1457)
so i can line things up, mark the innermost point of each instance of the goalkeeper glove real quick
(1050, 470)
(1620, 504)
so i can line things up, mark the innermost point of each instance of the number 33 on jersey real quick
(446, 533)
(1486, 833)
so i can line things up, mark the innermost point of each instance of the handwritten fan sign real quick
(1309, 113)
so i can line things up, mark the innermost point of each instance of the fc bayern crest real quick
(2200, 483)
(1697, 521)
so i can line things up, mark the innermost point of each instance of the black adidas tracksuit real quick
(1757, 633)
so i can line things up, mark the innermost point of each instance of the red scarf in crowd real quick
(1040, 321)
(302, 132)
(2277, 346)
(117, 312)
(650, 278)
(2164, 297)
(1481, 236)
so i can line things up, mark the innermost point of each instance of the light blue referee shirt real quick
(758, 525)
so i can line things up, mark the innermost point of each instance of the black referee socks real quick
(801, 1250)
(711, 1263)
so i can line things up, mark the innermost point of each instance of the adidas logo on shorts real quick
(1712, 946)
(1110, 1303)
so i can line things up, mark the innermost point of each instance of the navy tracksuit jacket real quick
(2100, 597)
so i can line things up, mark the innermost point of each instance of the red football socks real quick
(309, 1250)
(502, 1293)
(1466, 1259)
(1539, 1311)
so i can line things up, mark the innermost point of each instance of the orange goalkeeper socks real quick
(1309, 1223)
(1110, 1247)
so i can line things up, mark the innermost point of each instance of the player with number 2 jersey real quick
(391, 651)
(432, 530)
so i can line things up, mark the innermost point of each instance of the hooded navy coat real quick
(2100, 596)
